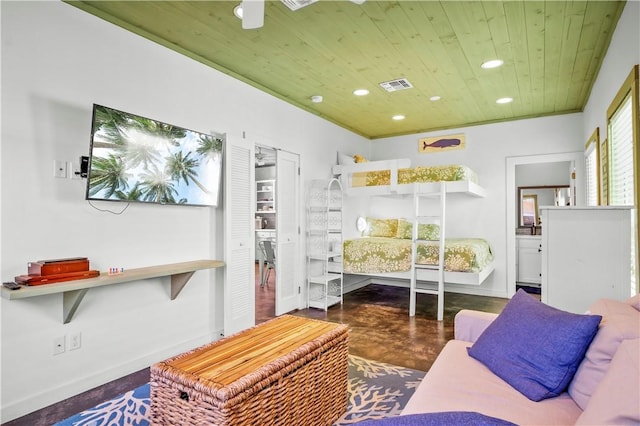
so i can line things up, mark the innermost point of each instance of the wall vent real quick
(297, 4)
(395, 85)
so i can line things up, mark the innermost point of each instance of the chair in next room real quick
(270, 257)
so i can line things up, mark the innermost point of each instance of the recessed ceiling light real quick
(316, 99)
(398, 117)
(504, 100)
(361, 92)
(238, 11)
(434, 98)
(494, 63)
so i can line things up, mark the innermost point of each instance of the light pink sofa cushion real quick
(469, 325)
(457, 382)
(620, 321)
(634, 301)
(616, 400)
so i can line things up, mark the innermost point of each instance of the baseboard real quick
(82, 384)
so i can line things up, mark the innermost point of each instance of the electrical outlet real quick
(75, 341)
(74, 170)
(59, 169)
(58, 345)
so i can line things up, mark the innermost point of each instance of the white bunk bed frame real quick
(345, 173)
(437, 190)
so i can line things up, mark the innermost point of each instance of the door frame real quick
(511, 190)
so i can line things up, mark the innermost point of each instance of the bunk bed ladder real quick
(439, 220)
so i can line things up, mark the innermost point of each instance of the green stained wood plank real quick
(515, 14)
(445, 30)
(606, 14)
(553, 30)
(535, 19)
(502, 81)
(574, 18)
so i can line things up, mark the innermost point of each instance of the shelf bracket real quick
(178, 281)
(70, 302)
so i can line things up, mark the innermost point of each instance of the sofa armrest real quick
(469, 325)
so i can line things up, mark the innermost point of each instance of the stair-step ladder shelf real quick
(324, 244)
(74, 291)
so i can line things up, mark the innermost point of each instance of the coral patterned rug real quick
(376, 390)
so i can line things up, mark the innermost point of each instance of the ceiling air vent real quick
(395, 85)
(297, 4)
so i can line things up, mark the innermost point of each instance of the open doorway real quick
(533, 171)
(266, 233)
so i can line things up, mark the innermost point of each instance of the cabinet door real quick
(529, 260)
(529, 265)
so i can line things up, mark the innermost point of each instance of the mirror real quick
(531, 198)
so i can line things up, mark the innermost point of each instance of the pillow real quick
(405, 229)
(345, 159)
(438, 419)
(382, 227)
(426, 231)
(615, 400)
(620, 321)
(534, 347)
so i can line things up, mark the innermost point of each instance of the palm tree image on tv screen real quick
(142, 160)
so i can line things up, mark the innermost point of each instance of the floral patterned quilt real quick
(376, 255)
(414, 175)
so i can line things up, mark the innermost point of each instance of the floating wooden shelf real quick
(73, 291)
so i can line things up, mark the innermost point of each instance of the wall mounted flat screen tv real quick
(137, 159)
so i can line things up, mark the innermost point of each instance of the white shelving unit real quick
(265, 214)
(324, 244)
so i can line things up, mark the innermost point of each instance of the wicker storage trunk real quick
(287, 371)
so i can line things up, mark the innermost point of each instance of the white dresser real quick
(586, 255)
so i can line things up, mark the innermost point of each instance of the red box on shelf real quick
(58, 266)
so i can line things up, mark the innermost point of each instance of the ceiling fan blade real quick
(252, 14)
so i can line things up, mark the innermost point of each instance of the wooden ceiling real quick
(552, 51)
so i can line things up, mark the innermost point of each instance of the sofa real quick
(602, 387)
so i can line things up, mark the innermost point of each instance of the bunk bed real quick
(396, 177)
(415, 255)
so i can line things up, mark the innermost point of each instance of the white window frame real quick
(592, 169)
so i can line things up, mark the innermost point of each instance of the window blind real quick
(621, 189)
(591, 170)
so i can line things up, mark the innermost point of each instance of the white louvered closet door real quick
(239, 291)
(288, 225)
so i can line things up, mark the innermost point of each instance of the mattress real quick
(375, 255)
(414, 175)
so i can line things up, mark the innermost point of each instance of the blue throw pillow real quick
(534, 347)
(467, 418)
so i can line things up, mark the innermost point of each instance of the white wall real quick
(56, 62)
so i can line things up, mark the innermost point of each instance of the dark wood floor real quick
(381, 330)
